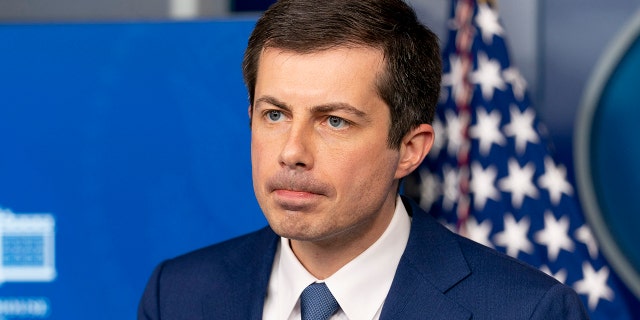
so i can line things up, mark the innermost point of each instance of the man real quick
(341, 96)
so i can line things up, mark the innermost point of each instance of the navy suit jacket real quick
(440, 276)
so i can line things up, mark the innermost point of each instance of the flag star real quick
(455, 78)
(519, 182)
(555, 235)
(514, 236)
(584, 235)
(554, 180)
(430, 190)
(518, 84)
(487, 130)
(482, 185)
(594, 285)
(451, 189)
(561, 275)
(440, 137)
(521, 127)
(454, 131)
(487, 20)
(488, 76)
(479, 232)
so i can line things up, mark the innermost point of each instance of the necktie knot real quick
(317, 302)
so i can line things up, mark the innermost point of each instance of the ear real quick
(414, 148)
(250, 112)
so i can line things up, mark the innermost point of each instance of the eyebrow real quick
(340, 106)
(273, 101)
(323, 108)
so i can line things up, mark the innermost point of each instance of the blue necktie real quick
(317, 302)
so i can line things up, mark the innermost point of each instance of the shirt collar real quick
(361, 286)
(294, 278)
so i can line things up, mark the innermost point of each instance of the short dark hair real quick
(410, 82)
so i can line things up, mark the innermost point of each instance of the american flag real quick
(491, 175)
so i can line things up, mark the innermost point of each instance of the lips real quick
(297, 182)
(297, 192)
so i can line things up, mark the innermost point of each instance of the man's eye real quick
(337, 122)
(275, 115)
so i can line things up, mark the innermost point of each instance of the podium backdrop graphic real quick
(120, 145)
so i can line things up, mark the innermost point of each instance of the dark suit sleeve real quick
(149, 308)
(560, 302)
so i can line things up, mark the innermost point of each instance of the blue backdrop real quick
(128, 144)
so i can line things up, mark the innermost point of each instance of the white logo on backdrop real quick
(27, 247)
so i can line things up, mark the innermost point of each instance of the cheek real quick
(260, 147)
(366, 171)
(259, 159)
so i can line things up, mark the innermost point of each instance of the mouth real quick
(295, 200)
(297, 192)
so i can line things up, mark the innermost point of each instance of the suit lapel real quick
(247, 283)
(411, 298)
(432, 264)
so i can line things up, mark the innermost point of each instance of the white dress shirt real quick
(360, 286)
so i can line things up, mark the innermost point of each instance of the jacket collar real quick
(432, 264)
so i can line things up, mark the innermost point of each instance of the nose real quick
(297, 151)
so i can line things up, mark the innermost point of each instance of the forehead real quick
(335, 71)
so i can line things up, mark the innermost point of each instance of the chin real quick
(293, 230)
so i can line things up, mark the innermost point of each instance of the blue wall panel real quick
(134, 139)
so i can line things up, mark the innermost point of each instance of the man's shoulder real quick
(484, 281)
(467, 256)
(218, 279)
(522, 291)
(489, 263)
(229, 255)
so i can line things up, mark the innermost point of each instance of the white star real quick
(554, 180)
(479, 232)
(440, 139)
(451, 187)
(430, 190)
(521, 127)
(514, 236)
(561, 275)
(594, 285)
(519, 182)
(518, 84)
(482, 185)
(455, 77)
(584, 235)
(454, 131)
(487, 20)
(488, 76)
(554, 235)
(487, 130)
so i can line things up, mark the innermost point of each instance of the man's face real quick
(322, 169)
